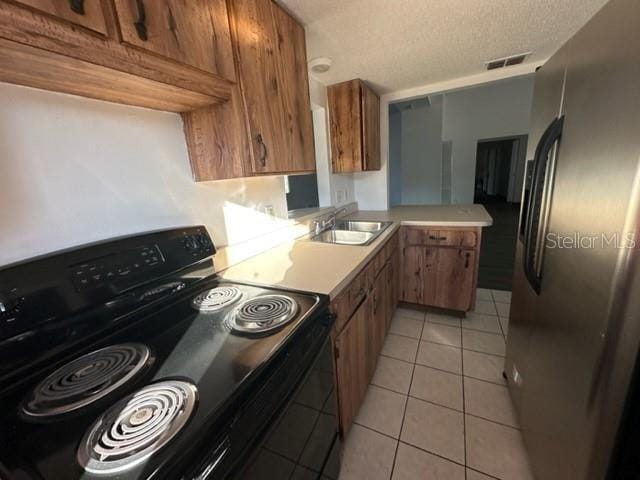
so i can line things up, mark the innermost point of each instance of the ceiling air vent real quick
(506, 61)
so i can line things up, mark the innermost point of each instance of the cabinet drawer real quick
(414, 236)
(452, 238)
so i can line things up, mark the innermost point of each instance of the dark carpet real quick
(498, 247)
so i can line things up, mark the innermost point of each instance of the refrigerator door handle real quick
(531, 233)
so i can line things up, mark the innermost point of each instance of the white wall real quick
(421, 154)
(395, 157)
(500, 109)
(333, 189)
(74, 170)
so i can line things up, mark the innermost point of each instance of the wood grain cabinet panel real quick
(440, 266)
(351, 362)
(354, 127)
(271, 54)
(413, 274)
(86, 13)
(449, 278)
(194, 32)
(51, 44)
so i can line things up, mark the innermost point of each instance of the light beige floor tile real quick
(488, 400)
(502, 296)
(483, 294)
(367, 455)
(504, 323)
(443, 357)
(483, 366)
(402, 348)
(410, 313)
(485, 307)
(413, 463)
(443, 319)
(503, 309)
(393, 374)
(496, 450)
(473, 475)
(433, 332)
(484, 323)
(382, 410)
(409, 327)
(438, 387)
(434, 428)
(483, 342)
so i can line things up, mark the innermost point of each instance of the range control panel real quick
(109, 269)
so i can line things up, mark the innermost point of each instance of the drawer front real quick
(452, 238)
(414, 236)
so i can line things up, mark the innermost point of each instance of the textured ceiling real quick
(398, 44)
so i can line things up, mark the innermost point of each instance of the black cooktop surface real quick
(161, 346)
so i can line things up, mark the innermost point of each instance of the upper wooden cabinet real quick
(167, 55)
(194, 33)
(272, 130)
(86, 14)
(354, 123)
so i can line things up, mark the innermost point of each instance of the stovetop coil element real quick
(216, 298)
(263, 314)
(86, 379)
(135, 428)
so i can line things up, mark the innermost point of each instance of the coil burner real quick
(136, 428)
(87, 379)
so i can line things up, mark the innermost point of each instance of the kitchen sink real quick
(351, 232)
(361, 226)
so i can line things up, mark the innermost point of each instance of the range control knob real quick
(7, 302)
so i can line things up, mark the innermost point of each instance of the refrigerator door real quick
(568, 360)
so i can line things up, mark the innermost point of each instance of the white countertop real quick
(327, 268)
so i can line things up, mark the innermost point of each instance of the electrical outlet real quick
(268, 209)
(341, 196)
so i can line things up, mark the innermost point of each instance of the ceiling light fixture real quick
(320, 65)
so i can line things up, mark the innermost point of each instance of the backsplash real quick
(74, 170)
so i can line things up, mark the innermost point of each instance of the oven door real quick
(303, 442)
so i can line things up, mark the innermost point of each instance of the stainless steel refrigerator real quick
(574, 328)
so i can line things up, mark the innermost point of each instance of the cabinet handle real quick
(433, 237)
(466, 260)
(77, 6)
(263, 147)
(141, 23)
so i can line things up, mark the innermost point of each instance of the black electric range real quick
(132, 359)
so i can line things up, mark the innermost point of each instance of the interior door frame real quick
(517, 168)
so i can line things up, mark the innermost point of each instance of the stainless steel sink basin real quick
(361, 226)
(344, 237)
(352, 232)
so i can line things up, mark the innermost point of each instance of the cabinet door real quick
(377, 322)
(194, 33)
(294, 92)
(88, 14)
(449, 277)
(390, 291)
(370, 129)
(413, 274)
(345, 125)
(352, 376)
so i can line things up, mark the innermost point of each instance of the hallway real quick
(498, 245)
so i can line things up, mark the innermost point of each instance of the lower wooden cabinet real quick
(352, 373)
(440, 266)
(364, 310)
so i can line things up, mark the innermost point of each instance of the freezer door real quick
(575, 320)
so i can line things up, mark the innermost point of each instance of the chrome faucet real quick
(320, 226)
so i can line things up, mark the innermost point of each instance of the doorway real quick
(499, 172)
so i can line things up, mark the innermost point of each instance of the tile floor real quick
(437, 407)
